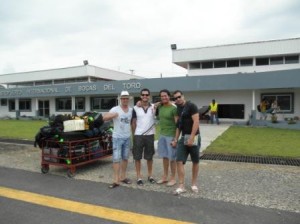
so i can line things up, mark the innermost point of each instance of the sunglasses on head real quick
(177, 97)
(144, 94)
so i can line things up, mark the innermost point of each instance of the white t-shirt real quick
(122, 127)
(144, 120)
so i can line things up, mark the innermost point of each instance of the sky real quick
(132, 36)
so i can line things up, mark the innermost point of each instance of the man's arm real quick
(109, 116)
(176, 138)
(195, 118)
(195, 127)
(133, 125)
(133, 121)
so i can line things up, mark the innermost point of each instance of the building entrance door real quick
(44, 108)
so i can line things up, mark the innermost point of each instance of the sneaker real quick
(151, 180)
(179, 191)
(194, 189)
(140, 182)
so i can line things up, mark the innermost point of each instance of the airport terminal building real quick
(237, 76)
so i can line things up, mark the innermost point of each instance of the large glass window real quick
(276, 60)
(233, 63)
(43, 83)
(103, 103)
(63, 104)
(220, 64)
(195, 65)
(25, 104)
(233, 111)
(285, 101)
(12, 105)
(3, 102)
(262, 61)
(246, 62)
(80, 103)
(292, 59)
(208, 64)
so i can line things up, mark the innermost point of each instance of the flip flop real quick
(126, 181)
(113, 185)
(194, 189)
(171, 183)
(179, 191)
(162, 182)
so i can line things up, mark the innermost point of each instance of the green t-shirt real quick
(166, 120)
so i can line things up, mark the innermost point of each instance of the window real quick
(276, 60)
(75, 80)
(232, 111)
(80, 103)
(23, 84)
(3, 102)
(292, 59)
(59, 81)
(63, 104)
(219, 64)
(43, 83)
(25, 104)
(12, 105)
(233, 63)
(208, 64)
(262, 61)
(195, 65)
(103, 103)
(284, 100)
(246, 62)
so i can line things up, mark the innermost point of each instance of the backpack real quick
(258, 108)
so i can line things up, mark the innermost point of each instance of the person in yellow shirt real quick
(213, 107)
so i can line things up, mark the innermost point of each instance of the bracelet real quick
(174, 140)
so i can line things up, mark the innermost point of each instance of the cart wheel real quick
(70, 173)
(45, 169)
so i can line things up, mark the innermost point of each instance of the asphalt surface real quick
(229, 192)
(136, 200)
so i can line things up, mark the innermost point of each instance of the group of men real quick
(179, 138)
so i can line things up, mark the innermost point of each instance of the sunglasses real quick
(177, 97)
(144, 94)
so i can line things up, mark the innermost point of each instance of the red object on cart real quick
(71, 154)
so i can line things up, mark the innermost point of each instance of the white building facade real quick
(56, 91)
(254, 59)
(237, 76)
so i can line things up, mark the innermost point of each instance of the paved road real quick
(241, 193)
(158, 204)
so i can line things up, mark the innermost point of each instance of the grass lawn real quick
(236, 140)
(20, 129)
(257, 142)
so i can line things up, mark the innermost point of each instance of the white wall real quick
(248, 69)
(199, 98)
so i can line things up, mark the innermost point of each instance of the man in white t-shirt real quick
(143, 128)
(121, 116)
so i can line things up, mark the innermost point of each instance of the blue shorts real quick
(164, 148)
(121, 147)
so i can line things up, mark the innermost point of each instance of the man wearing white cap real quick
(121, 116)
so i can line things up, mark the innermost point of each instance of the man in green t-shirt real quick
(167, 115)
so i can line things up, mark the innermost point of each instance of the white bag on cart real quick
(74, 125)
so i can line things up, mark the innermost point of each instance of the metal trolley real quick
(71, 154)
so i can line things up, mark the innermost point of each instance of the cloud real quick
(133, 34)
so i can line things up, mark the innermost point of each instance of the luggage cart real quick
(71, 154)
